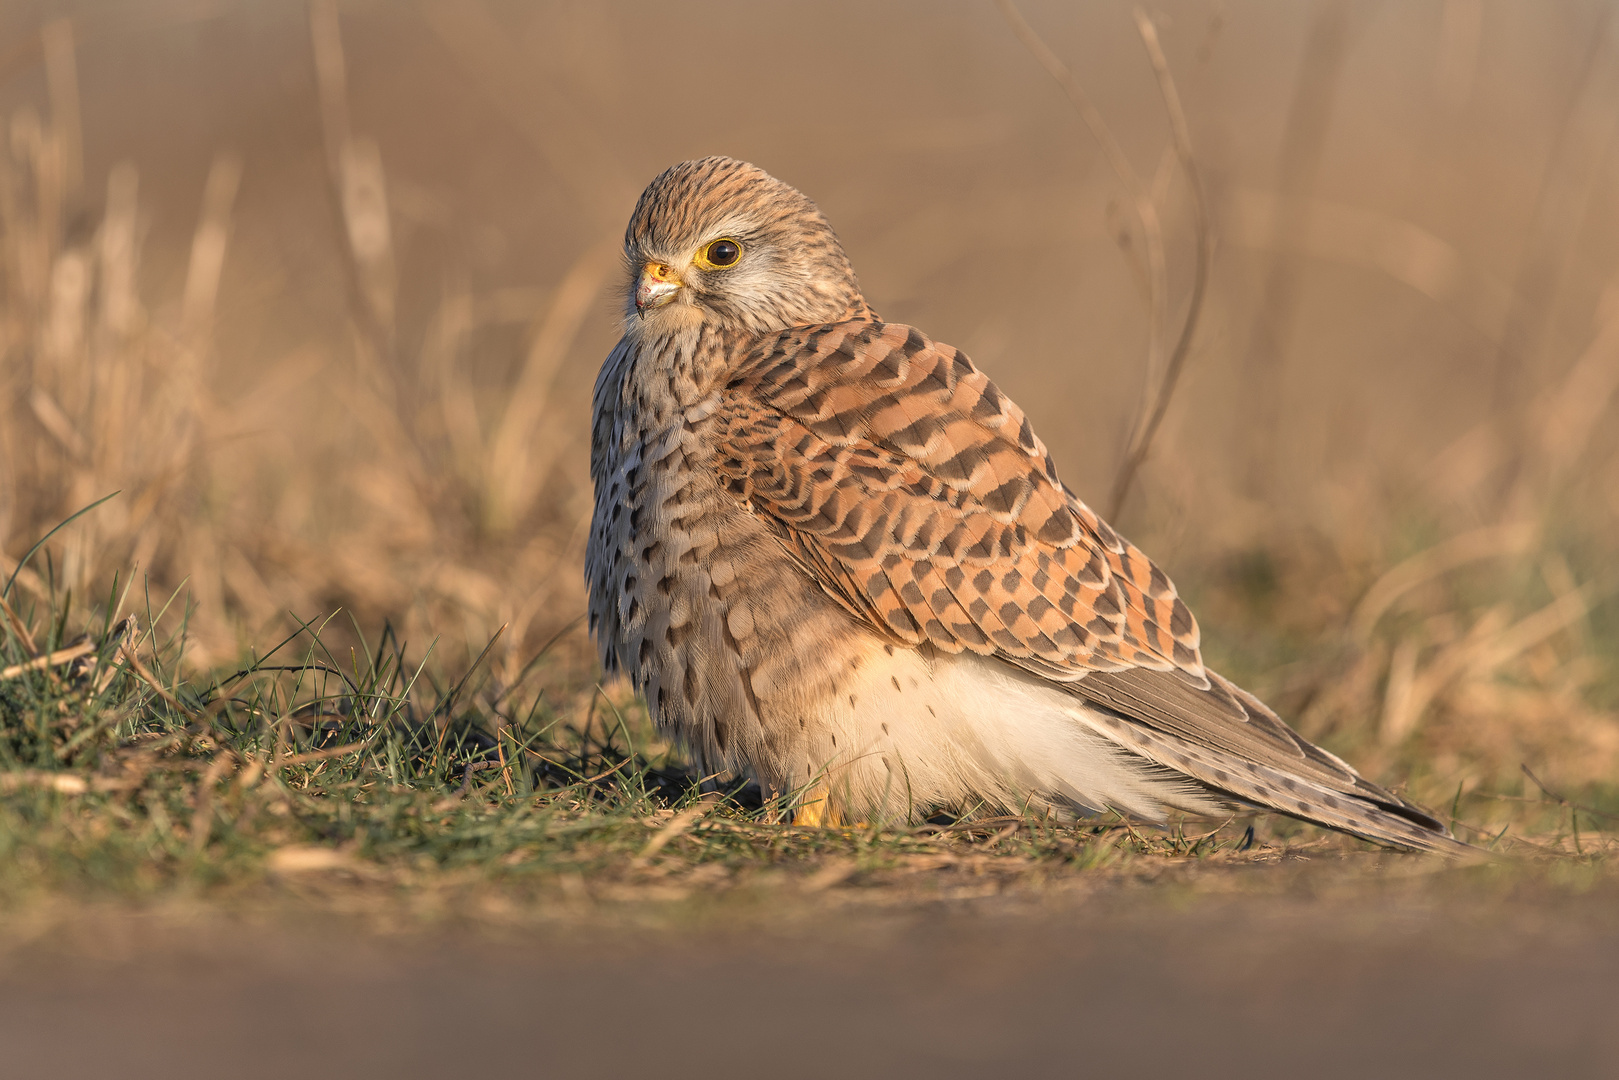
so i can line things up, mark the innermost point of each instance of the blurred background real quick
(321, 289)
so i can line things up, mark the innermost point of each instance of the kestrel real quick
(837, 559)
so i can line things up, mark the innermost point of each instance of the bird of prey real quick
(836, 558)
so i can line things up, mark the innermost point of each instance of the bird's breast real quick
(695, 597)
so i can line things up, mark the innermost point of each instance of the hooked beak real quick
(656, 287)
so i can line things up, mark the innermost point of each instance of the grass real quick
(119, 776)
(122, 777)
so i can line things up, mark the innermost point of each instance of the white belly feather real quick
(917, 731)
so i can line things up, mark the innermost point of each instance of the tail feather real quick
(1275, 789)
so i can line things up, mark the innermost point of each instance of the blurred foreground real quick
(1290, 977)
(321, 292)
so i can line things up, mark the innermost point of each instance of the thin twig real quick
(1141, 441)
(60, 656)
(320, 755)
(1154, 405)
(1561, 801)
(146, 677)
(18, 627)
(500, 752)
(64, 783)
(1298, 163)
(1146, 211)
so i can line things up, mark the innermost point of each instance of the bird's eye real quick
(719, 254)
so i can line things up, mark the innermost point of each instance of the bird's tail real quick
(1395, 824)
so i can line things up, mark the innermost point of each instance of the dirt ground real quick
(1336, 971)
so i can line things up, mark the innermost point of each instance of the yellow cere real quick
(659, 272)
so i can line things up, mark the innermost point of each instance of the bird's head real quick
(723, 243)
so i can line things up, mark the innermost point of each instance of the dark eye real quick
(721, 253)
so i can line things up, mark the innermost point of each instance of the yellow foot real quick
(816, 812)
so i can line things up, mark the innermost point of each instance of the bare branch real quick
(1146, 211)
(1162, 373)
(1152, 416)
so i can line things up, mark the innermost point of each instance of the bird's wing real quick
(906, 467)
(921, 498)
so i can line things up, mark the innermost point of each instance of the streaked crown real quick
(723, 241)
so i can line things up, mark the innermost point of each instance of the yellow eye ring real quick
(721, 254)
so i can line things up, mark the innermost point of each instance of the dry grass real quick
(121, 778)
(320, 374)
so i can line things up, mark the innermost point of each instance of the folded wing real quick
(921, 498)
